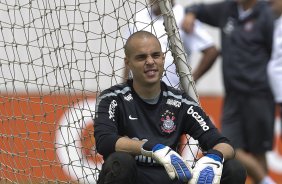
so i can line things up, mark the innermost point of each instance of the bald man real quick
(138, 125)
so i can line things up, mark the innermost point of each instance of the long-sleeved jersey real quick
(121, 112)
(246, 41)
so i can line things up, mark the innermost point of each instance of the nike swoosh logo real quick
(216, 164)
(168, 151)
(132, 118)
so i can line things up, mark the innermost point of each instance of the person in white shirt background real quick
(197, 41)
(274, 68)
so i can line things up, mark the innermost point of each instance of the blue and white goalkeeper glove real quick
(173, 163)
(208, 169)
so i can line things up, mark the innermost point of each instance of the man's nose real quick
(150, 60)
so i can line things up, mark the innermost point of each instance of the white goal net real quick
(55, 57)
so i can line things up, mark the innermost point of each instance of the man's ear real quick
(126, 62)
(126, 68)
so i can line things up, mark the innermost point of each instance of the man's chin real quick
(153, 81)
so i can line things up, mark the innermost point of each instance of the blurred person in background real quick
(198, 41)
(248, 112)
(275, 65)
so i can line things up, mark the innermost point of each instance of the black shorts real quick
(248, 121)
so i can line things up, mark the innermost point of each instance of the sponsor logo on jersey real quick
(128, 97)
(198, 118)
(168, 124)
(112, 109)
(174, 103)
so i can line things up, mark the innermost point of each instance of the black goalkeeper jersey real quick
(121, 112)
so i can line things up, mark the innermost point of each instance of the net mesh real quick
(56, 56)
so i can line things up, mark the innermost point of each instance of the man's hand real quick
(173, 163)
(208, 169)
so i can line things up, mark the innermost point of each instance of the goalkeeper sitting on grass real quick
(138, 125)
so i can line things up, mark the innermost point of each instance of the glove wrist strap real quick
(217, 153)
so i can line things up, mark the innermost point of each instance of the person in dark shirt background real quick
(248, 113)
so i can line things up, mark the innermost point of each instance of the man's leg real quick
(259, 137)
(256, 167)
(233, 172)
(261, 158)
(255, 170)
(119, 168)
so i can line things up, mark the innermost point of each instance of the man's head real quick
(155, 6)
(144, 57)
(277, 6)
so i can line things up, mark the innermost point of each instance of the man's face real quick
(145, 60)
(277, 6)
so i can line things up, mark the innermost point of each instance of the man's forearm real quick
(209, 57)
(128, 145)
(226, 150)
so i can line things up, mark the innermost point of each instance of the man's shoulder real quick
(228, 7)
(225, 4)
(170, 89)
(116, 90)
(263, 6)
(174, 91)
(264, 11)
(179, 95)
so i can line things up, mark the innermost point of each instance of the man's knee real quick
(119, 168)
(233, 172)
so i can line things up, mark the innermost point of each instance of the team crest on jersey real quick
(168, 124)
(249, 26)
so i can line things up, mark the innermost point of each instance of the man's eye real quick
(156, 56)
(140, 58)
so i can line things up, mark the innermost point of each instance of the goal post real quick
(56, 56)
(177, 49)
